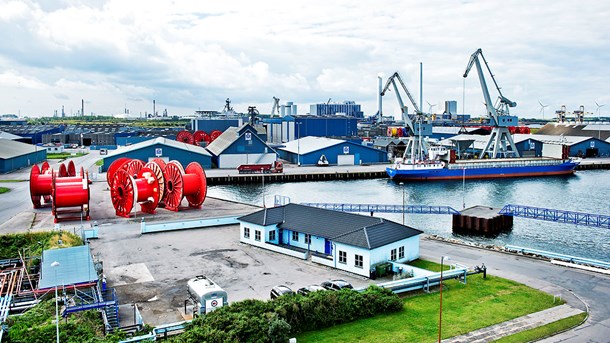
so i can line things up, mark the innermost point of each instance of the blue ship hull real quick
(483, 172)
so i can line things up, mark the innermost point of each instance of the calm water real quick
(587, 191)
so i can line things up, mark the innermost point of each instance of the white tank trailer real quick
(206, 295)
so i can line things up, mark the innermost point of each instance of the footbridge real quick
(379, 208)
(560, 216)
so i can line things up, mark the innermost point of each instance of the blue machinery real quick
(548, 214)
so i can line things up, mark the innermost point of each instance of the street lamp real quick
(55, 264)
(440, 311)
(402, 184)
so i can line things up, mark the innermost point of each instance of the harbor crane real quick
(500, 142)
(276, 107)
(417, 147)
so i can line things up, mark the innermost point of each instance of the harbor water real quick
(586, 191)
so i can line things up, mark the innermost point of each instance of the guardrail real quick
(550, 254)
(161, 330)
(187, 224)
(381, 208)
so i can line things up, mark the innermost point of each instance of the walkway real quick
(530, 321)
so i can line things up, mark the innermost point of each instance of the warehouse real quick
(309, 150)
(243, 145)
(16, 155)
(346, 241)
(163, 148)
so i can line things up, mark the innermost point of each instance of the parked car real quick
(336, 285)
(280, 290)
(311, 288)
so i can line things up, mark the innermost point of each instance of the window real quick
(393, 255)
(358, 261)
(295, 236)
(246, 232)
(342, 257)
(401, 252)
(272, 235)
(257, 235)
(307, 238)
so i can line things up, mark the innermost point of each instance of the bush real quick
(276, 320)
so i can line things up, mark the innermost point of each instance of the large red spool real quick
(185, 137)
(179, 183)
(131, 166)
(70, 194)
(214, 134)
(158, 170)
(127, 190)
(41, 184)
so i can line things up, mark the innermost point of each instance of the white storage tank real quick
(206, 294)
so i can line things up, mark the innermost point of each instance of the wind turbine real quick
(598, 107)
(430, 108)
(542, 107)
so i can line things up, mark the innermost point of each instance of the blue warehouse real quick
(241, 145)
(163, 148)
(309, 150)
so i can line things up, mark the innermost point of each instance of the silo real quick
(294, 109)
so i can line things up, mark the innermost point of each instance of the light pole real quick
(55, 264)
(402, 184)
(440, 311)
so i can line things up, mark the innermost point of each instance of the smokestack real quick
(154, 110)
(379, 99)
(63, 113)
(82, 107)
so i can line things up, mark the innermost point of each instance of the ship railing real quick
(499, 164)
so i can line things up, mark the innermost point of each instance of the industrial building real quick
(15, 155)
(241, 145)
(163, 148)
(288, 128)
(209, 125)
(346, 241)
(309, 150)
(597, 130)
(32, 134)
(347, 108)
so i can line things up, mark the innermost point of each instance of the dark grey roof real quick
(341, 227)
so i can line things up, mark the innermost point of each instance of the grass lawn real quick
(12, 180)
(99, 162)
(478, 304)
(4, 190)
(544, 331)
(64, 155)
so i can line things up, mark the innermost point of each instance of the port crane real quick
(500, 142)
(417, 147)
(276, 107)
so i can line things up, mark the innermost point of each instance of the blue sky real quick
(190, 55)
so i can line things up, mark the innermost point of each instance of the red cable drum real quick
(124, 163)
(156, 168)
(185, 137)
(127, 190)
(63, 171)
(70, 194)
(71, 168)
(179, 183)
(199, 136)
(214, 134)
(41, 185)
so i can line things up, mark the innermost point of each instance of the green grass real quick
(99, 162)
(4, 190)
(12, 180)
(431, 266)
(545, 330)
(480, 303)
(64, 155)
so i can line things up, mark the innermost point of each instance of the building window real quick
(272, 235)
(247, 232)
(342, 257)
(295, 236)
(393, 255)
(401, 252)
(307, 238)
(358, 261)
(257, 235)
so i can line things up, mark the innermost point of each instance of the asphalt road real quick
(573, 285)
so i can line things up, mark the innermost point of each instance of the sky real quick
(192, 55)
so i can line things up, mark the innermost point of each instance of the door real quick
(328, 248)
(280, 236)
(345, 160)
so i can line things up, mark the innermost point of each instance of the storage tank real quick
(206, 294)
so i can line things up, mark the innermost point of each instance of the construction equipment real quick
(500, 142)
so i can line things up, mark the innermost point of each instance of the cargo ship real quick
(436, 169)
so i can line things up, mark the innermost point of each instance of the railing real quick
(570, 217)
(424, 282)
(377, 208)
(568, 258)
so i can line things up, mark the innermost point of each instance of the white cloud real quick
(192, 55)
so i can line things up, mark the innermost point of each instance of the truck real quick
(206, 295)
(275, 167)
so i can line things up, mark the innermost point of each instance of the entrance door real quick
(328, 248)
(280, 236)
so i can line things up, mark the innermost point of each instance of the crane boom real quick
(404, 87)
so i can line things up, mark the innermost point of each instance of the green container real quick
(381, 270)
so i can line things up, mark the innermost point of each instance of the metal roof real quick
(162, 141)
(341, 227)
(481, 140)
(11, 148)
(222, 142)
(601, 131)
(309, 144)
(6, 135)
(75, 267)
